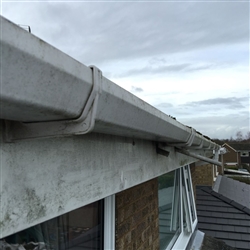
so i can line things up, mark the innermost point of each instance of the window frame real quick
(185, 236)
(109, 223)
(186, 201)
(106, 216)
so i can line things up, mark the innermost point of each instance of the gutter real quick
(46, 93)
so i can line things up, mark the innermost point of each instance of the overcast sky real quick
(190, 59)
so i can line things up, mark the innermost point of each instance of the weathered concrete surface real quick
(41, 179)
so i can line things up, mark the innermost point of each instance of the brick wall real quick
(201, 175)
(220, 170)
(137, 217)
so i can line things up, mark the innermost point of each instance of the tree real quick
(239, 136)
(247, 136)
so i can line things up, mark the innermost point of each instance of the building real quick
(244, 151)
(237, 154)
(86, 164)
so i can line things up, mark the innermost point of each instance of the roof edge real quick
(209, 190)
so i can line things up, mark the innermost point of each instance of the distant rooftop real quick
(234, 190)
(240, 146)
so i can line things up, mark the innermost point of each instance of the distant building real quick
(244, 150)
(237, 153)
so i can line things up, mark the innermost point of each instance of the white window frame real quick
(191, 196)
(175, 200)
(109, 223)
(186, 200)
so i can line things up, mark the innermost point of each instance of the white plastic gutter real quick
(44, 93)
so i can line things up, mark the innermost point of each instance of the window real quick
(82, 228)
(189, 189)
(169, 203)
(177, 213)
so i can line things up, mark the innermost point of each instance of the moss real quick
(6, 220)
(183, 163)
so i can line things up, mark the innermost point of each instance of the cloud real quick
(164, 105)
(230, 102)
(136, 89)
(133, 30)
(149, 29)
(148, 70)
(215, 117)
(221, 127)
(157, 61)
(174, 68)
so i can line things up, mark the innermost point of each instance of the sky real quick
(189, 59)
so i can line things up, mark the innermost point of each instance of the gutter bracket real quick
(82, 125)
(188, 143)
(161, 151)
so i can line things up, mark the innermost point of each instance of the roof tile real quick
(228, 228)
(245, 237)
(222, 220)
(241, 229)
(242, 244)
(245, 223)
(235, 236)
(221, 235)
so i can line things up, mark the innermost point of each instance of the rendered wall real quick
(44, 178)
(137, 224)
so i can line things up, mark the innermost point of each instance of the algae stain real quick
(183, 162)
(35, 207)
(6, 221)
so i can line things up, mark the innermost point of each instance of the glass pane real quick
(169, 208)
(190, 193)
(78, 229)
(186, 203)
